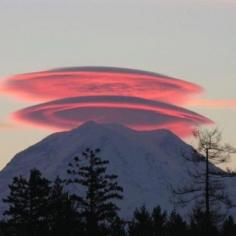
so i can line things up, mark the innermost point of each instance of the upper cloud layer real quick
(94, 81)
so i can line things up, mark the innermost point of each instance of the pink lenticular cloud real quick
(136, 113)
(94, 81)
(138, 99)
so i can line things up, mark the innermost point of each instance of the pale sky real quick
(193, 40)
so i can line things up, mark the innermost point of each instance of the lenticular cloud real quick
(138, 99)
(94, 81)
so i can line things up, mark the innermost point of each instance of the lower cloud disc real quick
(136, 113)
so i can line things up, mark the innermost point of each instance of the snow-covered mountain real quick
(148, 163)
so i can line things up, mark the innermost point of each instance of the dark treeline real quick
(37, 206)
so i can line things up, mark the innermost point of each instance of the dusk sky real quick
(191, 40)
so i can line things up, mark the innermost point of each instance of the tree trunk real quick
(207, 200)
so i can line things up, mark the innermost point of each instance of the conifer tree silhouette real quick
(101, 189)
(141, 224)
(63, 218)
(28, 201)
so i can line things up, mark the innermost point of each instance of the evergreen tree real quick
(116, 228)
(2, 229)
(229, 227)
(28, 201)
(63, 218)
(101, 189)
(176, 225)
(18, 206)
(159, 219)
(141, 224)
(202, 224)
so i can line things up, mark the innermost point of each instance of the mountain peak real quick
(89, 124)
(93, 125)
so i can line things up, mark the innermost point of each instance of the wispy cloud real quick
(6, 126)
(214, 103)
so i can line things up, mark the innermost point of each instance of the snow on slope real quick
(147, 162)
